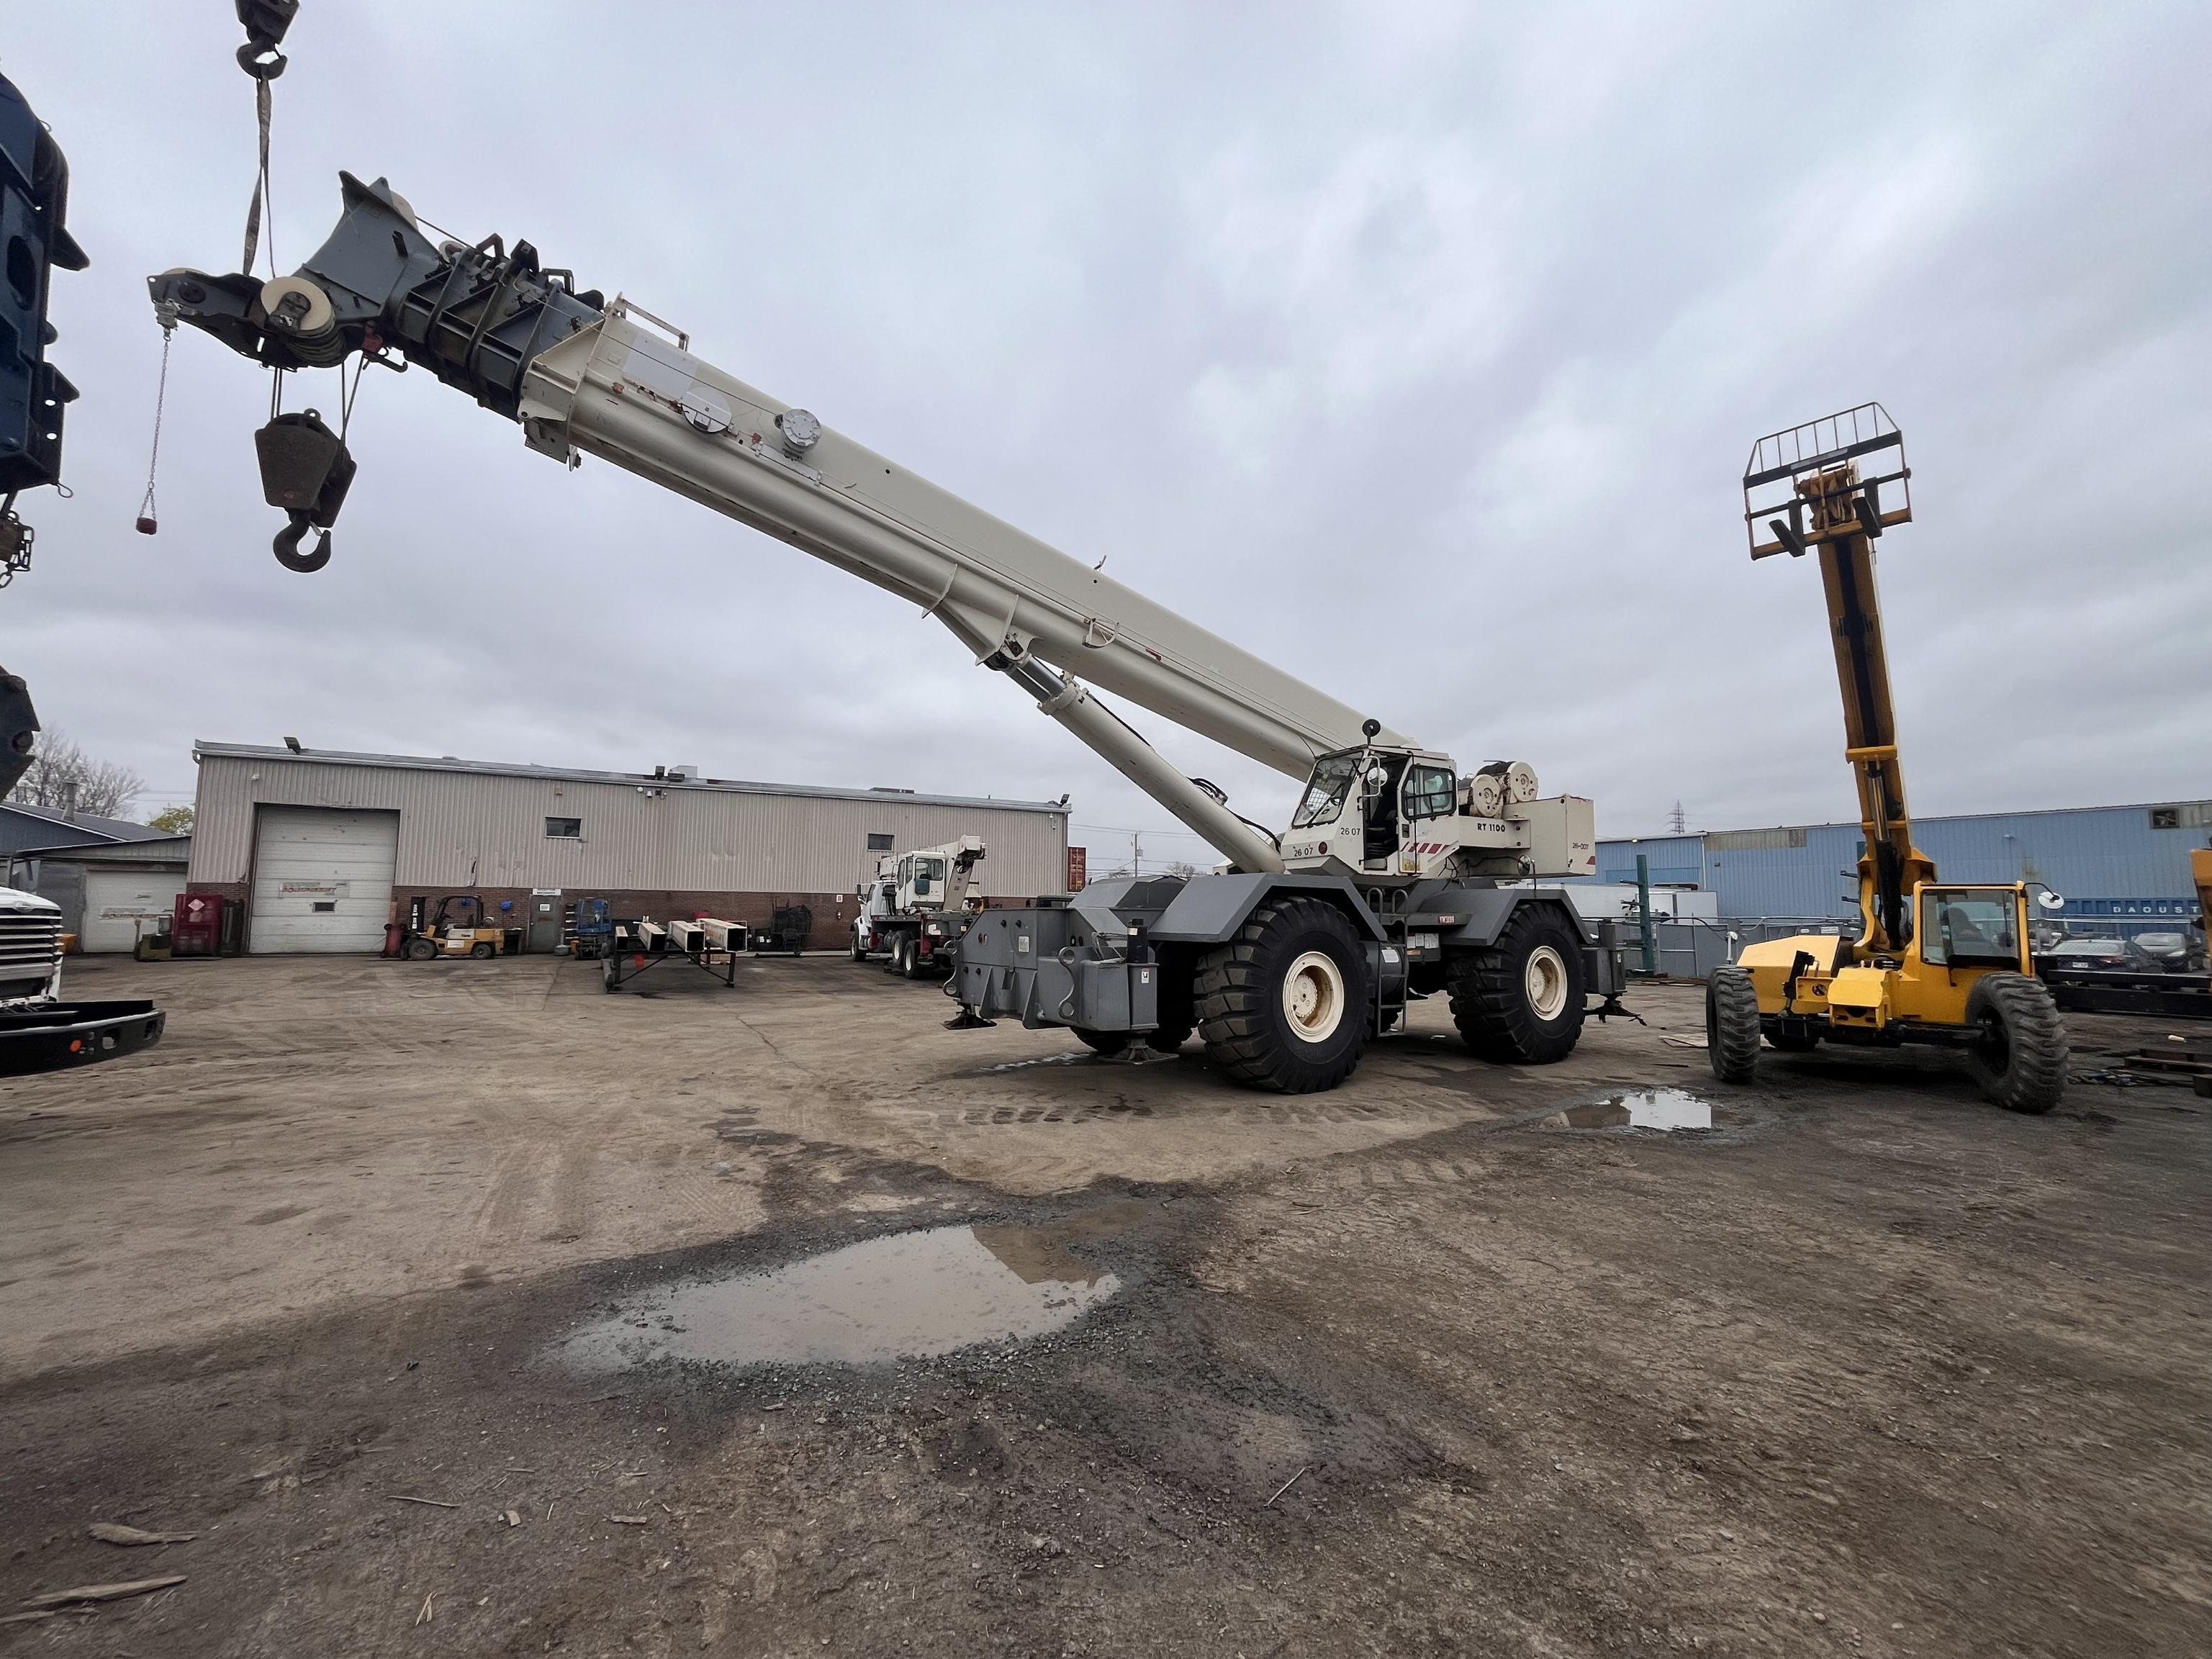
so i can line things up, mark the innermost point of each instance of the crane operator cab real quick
(1377, 811)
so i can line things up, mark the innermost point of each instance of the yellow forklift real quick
(459, 927)
(1940, 964)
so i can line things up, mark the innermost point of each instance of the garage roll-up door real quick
(117, 900)
(322, 878)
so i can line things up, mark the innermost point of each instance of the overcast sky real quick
(1417, 349)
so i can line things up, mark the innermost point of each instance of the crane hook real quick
(287, 546)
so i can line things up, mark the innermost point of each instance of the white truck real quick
(916, 906)
(1394, 880)
(38, 1031)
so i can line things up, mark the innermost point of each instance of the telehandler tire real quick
(1520, 1002)
(2019, 1052)
(1283, 1004)
(1732, 1025)
(1103, 1042)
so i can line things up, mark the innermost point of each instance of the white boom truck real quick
(1388, 883)
(916, 906)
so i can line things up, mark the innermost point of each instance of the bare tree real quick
(63, 778)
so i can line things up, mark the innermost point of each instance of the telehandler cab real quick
(1937, 962)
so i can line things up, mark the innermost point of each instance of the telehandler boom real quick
(1938, 963)
(1387, 884)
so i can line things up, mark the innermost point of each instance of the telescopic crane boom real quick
(1401, 865)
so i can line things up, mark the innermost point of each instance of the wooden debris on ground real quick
(114, 1532)
(102, 1592)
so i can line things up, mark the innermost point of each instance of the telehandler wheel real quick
(1732, 1025)
(483, 950)
(1104, 1042)
(421, 950)
(1520, 1002)
(2020, 1053)
(1283, 1004)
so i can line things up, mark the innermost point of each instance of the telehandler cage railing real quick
(1781, 461)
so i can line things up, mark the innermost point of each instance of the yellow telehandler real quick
(1935, 963)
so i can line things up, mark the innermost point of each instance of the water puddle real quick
(1643, 1109)
(909, 1295)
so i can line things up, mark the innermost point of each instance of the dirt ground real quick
(1870, 1367)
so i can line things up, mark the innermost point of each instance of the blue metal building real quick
(2126, 864)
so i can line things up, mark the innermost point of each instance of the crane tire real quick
(1731, 1024)
(1103, 1042)
(2020, 1053)
(1283, 1003)
(910, 959)
(1519, 1002)
(859, 955)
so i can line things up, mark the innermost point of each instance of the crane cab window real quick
(1430, 792)
(1325, 792)
(1969, 927)
(927, 874)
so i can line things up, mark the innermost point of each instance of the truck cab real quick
(915, 907)
(39, 1032)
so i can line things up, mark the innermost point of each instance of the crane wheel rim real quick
(1544, 980)
(1313, 996)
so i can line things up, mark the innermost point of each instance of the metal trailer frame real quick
(639, 947)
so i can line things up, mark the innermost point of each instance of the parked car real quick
(2101, 957)
(2178, 953)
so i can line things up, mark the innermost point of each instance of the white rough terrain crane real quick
(1387, 886)
(916, 905)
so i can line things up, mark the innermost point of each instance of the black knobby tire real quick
(1291, 953)
(1519, 1002)
(1104, 1042)
(2020, 1055)
(1731, 1024)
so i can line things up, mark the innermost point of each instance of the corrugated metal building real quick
(324, 848)
(2126, 864)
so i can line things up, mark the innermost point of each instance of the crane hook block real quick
(305, 469)
(266, 21)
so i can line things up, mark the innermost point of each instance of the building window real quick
(2166, 817)
(564, 829)
(879, 843)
